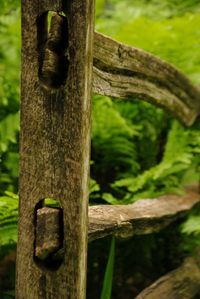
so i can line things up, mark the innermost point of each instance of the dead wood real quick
(126, 72)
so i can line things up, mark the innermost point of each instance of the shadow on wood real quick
(182, 283)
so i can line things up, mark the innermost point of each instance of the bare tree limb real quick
(182, 283)
(125, 72)
(143, 217)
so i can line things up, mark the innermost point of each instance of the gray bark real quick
(126, 72)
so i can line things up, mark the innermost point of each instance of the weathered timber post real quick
(55, 142)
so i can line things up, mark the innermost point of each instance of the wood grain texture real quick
(54, 151)
(125, 72)
(143, 217)
(48, 232)
(182, 283)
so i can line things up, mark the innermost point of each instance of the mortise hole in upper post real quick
(53, 60)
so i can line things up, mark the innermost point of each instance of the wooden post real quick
(55, 141)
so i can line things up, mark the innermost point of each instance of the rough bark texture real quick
(182, 283)
(143, 217)
(55, 144)
(126, 72)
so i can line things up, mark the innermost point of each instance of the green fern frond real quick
(165, 177)
(9, 126)
(8, 218)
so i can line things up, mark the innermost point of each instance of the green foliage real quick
(107, 283)
(8, 128)
(160, 156)
(192, 226)
(181, 152)
(9, 5)
(190, 230)
(100, 4)
(9, 94)
(8, 239)
(8, 218)
(113, 149)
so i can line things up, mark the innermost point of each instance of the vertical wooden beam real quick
(55, 146)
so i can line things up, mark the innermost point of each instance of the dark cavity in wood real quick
(126, 72)
(124, 221)
(49, 235)
(53, 56)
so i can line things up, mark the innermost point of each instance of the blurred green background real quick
(138, 150)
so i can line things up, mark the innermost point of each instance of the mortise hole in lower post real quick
(52, 31)
(48, 241)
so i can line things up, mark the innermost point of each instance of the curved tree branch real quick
(182, 283)
(126, 72)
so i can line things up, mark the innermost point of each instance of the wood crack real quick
(126, 72)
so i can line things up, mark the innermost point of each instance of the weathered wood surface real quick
(182, 283)
(143, 217)
(55, 143)
(48, 232)
(126, 72)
